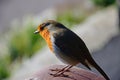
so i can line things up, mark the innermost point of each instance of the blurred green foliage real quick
(103, 3)
(4, 68)
(69, 19)
(24, 43)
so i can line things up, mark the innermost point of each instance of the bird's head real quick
(49, 28)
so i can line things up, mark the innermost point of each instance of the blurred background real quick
(22, 53)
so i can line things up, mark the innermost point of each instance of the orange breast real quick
(46, 35)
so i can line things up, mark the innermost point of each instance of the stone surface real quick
(73, 74)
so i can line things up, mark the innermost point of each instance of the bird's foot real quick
(59, 70)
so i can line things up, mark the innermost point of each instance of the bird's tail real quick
(95, 65)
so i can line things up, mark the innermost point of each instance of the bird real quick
(67, 46)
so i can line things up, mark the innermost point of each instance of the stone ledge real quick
(73, 74)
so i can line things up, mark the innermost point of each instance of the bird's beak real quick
(36, 32)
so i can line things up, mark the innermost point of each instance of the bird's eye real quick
(44, 25)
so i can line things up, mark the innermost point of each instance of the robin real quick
(67, 46)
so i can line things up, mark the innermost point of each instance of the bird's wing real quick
(71, 45)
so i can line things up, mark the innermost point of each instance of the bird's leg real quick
(61, 72)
